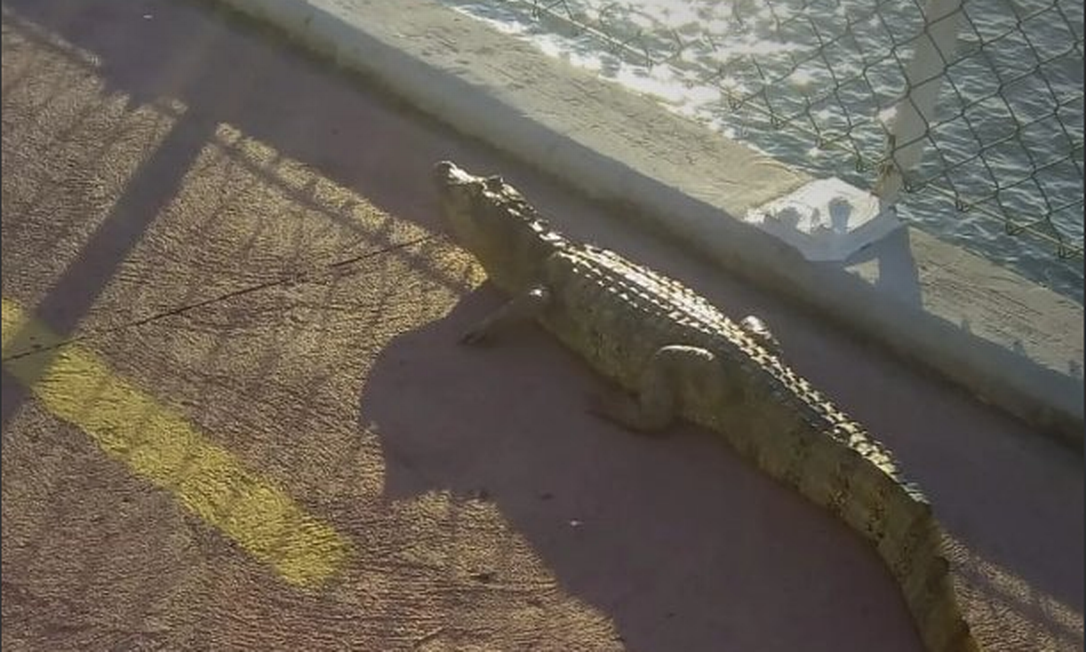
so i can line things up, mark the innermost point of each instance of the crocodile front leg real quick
(659, 394)
(519, 309)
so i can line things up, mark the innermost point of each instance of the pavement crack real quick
(299, 277)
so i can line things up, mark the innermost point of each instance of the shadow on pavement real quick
(680, 542)
(148, 192)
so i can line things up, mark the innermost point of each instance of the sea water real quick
(1010, 110)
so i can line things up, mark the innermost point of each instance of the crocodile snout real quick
(446, 173)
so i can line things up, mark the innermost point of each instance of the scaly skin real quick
(683, 358)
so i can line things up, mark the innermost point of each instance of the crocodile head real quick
(494, 222)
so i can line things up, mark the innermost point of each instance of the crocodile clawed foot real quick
(606, 404)
(622, 409)
(475, 337)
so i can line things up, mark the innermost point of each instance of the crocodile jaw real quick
(490, 219)
(458, 193)
(447, 174)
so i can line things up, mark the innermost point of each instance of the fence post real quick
(916, 110)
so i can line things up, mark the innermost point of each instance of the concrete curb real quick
(1010, 342)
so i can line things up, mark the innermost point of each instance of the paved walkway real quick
(1003, 337)
(234, 416)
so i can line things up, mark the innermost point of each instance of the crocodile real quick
(671, 354)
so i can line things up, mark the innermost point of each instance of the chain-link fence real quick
(979, 101)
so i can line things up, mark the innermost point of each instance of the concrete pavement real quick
(1006, 339)
(247, 242)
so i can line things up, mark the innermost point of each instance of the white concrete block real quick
(826, 219)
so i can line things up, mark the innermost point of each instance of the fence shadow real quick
(896, 268)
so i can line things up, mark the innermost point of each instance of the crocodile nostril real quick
(443, 169)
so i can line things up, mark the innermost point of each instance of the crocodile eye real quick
(494, 183)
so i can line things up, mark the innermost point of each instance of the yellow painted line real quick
(158, 444)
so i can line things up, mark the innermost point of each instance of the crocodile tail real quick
(844, 470)
(915, 548)
(860, 484)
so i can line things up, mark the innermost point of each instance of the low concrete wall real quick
(1012, 343)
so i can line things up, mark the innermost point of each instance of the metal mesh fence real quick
(844, 77)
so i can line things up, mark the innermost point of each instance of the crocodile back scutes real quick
(667, 307)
